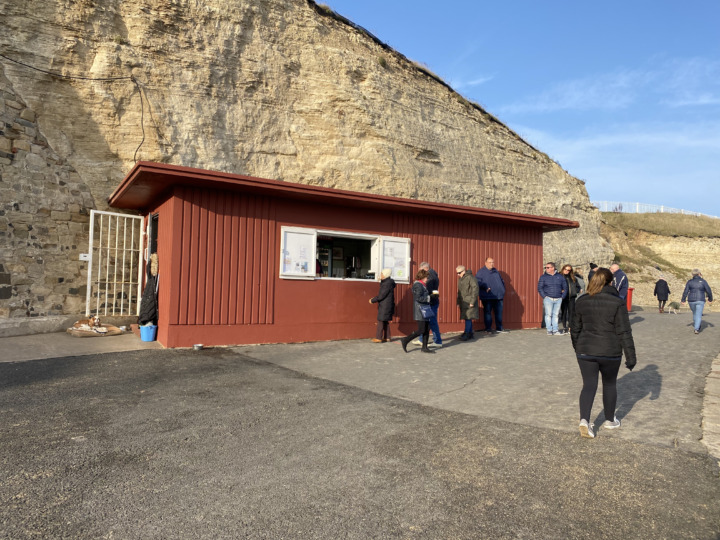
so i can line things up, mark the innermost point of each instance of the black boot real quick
(463, 337)
(425, 345)
(408, 339)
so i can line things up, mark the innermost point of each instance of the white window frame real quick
(298, 245)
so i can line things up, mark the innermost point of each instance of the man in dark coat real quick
(591, 273)
(492, 292)
(386, 306)
(467, 300)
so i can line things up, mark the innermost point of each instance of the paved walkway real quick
(671, 398)
(529, 378)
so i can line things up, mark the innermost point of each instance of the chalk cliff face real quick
(278, 89)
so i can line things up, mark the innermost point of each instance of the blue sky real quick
(623, 95)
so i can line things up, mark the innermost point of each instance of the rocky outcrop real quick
(279, 89)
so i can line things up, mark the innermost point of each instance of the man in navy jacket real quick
(492, 292)
(552, 287)
(620, 280)
(695, 292)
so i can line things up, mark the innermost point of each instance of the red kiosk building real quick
(248, 260)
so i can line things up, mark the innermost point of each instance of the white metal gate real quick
(115, 264)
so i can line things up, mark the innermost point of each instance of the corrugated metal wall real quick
(227, 253)
(219, 269)
(445, 244)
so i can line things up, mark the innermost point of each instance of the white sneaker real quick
(586, 429)
(435, 345)
(417, 342)
(607, 424)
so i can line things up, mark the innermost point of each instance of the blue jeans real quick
(468, 326)
(552, 310)
(489, 306)
(434, 325)
(697, 310)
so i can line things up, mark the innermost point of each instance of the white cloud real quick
(607, 91)
(671, 82)
(460, 84)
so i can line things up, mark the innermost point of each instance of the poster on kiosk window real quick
(298, 253)
(396, 256)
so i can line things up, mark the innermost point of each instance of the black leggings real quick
(608, 368)
(567, 310)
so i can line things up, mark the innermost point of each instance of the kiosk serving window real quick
(312, 254)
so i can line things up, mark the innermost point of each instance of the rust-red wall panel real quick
(228, 241)
(226, 288)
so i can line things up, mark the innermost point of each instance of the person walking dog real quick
(662, 291)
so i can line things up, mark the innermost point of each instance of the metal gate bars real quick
(115, 264)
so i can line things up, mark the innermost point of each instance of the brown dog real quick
(92, 322)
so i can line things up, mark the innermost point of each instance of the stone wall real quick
(43, 218)
(279, 89)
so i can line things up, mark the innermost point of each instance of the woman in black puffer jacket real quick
(600, 335)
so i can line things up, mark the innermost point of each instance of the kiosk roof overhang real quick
(148, 181)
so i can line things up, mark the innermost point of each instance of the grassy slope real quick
(632, 235)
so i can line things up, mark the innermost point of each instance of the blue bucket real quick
(148, 333)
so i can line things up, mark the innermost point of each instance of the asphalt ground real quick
(357, 440)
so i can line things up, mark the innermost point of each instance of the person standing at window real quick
(694, 293)
(386, 306)
(467, 300)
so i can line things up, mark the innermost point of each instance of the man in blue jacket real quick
(695, 291)
(492, 292)
(620, 280)
(552, 287)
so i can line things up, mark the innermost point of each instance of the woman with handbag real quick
(386, 306)
(422, 311)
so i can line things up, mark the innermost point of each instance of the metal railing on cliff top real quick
(641, 208)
